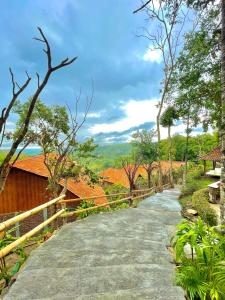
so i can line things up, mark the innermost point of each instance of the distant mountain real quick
(112, 151)
(108, 154)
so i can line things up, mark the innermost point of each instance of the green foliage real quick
(196, 86)
(169, 116)
(193, 182)
(200, 201)
(86, 204)
(4, 153)
(144, 147)
(6, 272)
(115, 189)
(202, 273)
(106, 156)
(113, 207)
(199, 145)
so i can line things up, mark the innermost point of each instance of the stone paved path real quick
(119, 255)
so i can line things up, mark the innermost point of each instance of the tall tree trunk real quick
(149, 179)
(222, 132)
(186, 150)
(170, 157)
(158, 149)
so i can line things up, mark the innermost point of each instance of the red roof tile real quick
(35, 165)
(118, 176)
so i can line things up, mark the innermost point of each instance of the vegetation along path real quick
(119, 255)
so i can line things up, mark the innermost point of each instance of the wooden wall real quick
(24, 191)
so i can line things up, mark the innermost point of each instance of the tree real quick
(167, 120)
(16, 92)
(203, 6)
(130, 164)
(222, 188)
(167, 19)
(145, 149)
(54, 129)
(195, 86)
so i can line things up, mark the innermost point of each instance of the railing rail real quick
(28, 213)
(64, 213)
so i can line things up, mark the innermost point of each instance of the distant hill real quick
(107, 155)
(112, 151)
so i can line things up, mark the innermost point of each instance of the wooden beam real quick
(90, 198)
(77, 212)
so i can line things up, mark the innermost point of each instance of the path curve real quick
(118, 255)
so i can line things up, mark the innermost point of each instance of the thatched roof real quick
(214, 155)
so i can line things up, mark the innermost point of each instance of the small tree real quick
(167, 120)
(130, 165)
(55, 131)
(167, 25)
(146, 150)
(17, 90)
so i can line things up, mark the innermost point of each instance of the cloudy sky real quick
(103, 34)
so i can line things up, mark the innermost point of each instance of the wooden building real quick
(214, 156)
(27, 182)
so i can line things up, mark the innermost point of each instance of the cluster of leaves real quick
(115, 189)
(195, 86)
(7, 272)
(200, 201)
(198, 145)
(202, 271)
(193, 182)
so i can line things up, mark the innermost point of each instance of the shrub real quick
(194, 182)
(200, 201)
(115, 189)
(202, 274)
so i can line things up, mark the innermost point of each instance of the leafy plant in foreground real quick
(202, 273)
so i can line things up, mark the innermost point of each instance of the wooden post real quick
(63, 205)
(45, 216)
(17, 225)
(130, 201)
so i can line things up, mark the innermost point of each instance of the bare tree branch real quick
(4, 167)
(142, 7)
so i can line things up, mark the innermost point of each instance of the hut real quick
(215, 157)
(27, 182)
(118, 176)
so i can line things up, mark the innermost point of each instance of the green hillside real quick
(106, 155)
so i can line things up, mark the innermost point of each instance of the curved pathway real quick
(118, 255)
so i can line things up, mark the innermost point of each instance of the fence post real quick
(17, 225)
(130, 201)
(63, 205)
(45, 216)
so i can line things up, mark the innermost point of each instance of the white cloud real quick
(136, 113)
(96, 115)
(153, 55)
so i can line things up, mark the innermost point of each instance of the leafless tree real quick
(131, 170)
(58, 147)
(167, 24)
(16, 92)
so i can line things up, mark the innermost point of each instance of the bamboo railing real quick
(63, 213)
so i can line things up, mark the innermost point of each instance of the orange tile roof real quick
(118, 176)
(35, 165)
(214, 155)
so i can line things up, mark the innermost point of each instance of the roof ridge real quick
(30, 157)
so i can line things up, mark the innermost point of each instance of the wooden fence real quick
(63, 213)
